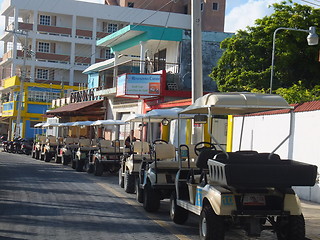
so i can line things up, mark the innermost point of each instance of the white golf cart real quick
(243, 189)
(138, 151)
(157, 175)
(106, 156)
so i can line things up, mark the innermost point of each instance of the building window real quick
(44, 47)
(215, 6)
(109, 54)
(43, 74)
(130, 4)
(112, 27)
(202, 6)
(43, 96)
(45, 20)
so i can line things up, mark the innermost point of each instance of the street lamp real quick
(312, 39)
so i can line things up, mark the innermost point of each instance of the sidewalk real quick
(311, 212)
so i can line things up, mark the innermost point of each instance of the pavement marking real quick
(136, 205)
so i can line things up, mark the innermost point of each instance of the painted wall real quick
(264, 133)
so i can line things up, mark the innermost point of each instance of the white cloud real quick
(245, 15)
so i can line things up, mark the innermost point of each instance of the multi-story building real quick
(55, 41)
(213, 11)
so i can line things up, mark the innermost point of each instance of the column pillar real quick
(142, 56)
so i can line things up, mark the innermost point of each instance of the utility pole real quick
(196, 59)
(22, 80)
(196, 46)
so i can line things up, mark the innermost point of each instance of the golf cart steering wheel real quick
(206, 145)
(159, 141)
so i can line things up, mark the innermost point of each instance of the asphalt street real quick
(41, 200)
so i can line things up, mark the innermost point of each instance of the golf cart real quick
(67, 150)
(107, 154)
(131, 160)
(243, 189)
(157, 175)
(84, 149)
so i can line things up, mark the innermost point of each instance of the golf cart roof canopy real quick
(239, 103)
(107, 122)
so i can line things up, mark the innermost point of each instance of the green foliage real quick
(246, 62)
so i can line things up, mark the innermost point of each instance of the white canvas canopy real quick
(107, 122)
(236, 103)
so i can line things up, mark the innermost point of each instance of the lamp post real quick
(312, 39)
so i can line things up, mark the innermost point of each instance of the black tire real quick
(211, 226)
(139, 191)
(47, 157)
(98, 168)
(291, 228)
(37, 155)
(73, 163)
(57, 159)
(151, 199)
(178, 214)
(65, 160)
(89, 167)
(129, 182)
(121, 179)
(79, 165)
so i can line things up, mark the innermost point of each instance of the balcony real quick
(59, 31)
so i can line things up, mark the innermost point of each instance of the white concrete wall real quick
(264, 133)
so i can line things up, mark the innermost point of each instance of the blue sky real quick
(239, 13)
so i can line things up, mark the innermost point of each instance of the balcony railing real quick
(84, 95)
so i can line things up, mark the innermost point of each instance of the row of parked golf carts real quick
(243, 189)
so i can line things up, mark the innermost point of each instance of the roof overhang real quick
(79, 108)
(133, 35)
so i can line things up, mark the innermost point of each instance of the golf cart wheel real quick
(129, 182)
(98, 168)
(291, 227)
(37, 155)
(79, 165)
(178, 214)
(211, 226)
(139, 191)
(64, 160)
(121, 179)
(47, 157)
(57, 159)
(73, 163)
(151, 199)
(89, 167)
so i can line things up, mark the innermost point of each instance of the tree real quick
(246, 62)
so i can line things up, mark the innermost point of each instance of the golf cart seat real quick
(42, 139)
(85, 145)
(52, 141)
(71, 142)
(141, 150)
(166, 157)
(204, 156)
(105, 146)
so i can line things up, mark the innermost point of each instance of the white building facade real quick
(61, 36)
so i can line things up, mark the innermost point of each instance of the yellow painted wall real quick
(230, 133)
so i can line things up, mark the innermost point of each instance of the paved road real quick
(41, 200)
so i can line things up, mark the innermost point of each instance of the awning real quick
(79, 109)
